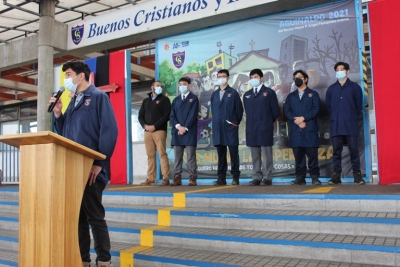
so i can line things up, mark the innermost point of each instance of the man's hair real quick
(155, 82)
(344, 64)
(256, 71)
(77, 66)
(303, 73)
(184, 79)
(224, 71)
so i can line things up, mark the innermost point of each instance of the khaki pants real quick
(156, 141)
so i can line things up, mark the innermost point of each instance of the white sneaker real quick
(104, 264)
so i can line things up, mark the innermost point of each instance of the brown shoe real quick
(192, 180)
(177, 180)
(148, 182)
(165, 182)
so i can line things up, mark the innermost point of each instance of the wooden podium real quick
(53, 174)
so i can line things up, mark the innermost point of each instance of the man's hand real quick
(93, 174)
(302, 125)
(181, 130)
(57, 108)
(151, 128)
(298, 120)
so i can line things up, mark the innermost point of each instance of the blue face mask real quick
(158, 90)
(341, 74)
(183, 89)
(69, 84)
(255, 82)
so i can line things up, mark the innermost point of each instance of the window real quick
(218, 61)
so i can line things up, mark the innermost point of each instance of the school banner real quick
(311, 39)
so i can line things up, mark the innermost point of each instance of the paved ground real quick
(345, 189)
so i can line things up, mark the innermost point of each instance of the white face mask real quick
(222, 81)
(158, 90)
(69, 84)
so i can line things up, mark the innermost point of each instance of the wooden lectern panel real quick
(53, 174)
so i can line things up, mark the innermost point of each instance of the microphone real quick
(59, 93)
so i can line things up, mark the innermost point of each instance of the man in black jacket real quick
(154, 116)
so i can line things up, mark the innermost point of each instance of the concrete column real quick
(45, 63)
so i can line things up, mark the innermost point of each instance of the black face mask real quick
(298, 82)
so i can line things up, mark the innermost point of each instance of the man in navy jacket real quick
(89, 120)
(227, 112)
(262, 109)
(344, 103)
(184, 131)
(301, 109)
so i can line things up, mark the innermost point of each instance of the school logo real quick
(87, 101)
(77, 33)
(157, 102)
(265, 94)
(310, 94)
(229, 95)
(178, 58)
(191, 100)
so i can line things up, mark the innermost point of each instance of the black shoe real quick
(315, 180)
(300, 180)
(335, 178)
(266, 182)
(220, 182)
(357, 178)
(235, 181)
(254, 182)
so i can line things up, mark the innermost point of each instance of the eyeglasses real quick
(297, 78)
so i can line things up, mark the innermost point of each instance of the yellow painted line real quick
(129, 188)
(127, 256)
(164, 217)
(321, 190)
(146, 235)
(179, 200)
(211, 189)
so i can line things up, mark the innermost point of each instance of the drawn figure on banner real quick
(282, 90)
(269, 79)
(241, 84)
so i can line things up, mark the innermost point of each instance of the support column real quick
(45, 63)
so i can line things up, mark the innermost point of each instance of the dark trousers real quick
(223, 163)
(300, 160)
(352, 143)
(92, 213)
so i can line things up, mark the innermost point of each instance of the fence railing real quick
(9, 164)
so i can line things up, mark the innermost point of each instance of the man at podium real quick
(90, 121)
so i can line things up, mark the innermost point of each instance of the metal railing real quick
(9, 164)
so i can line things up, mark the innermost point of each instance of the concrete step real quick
(322, 202)
(324, 247)
(382, 224)
(155, 257)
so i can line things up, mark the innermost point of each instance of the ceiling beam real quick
(24, 87)
(22, 79)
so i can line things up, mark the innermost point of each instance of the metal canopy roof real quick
(19, 19)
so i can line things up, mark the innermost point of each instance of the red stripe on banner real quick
(385, 51)
(117, 76)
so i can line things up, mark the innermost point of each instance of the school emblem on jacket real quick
(178, 58)
(229, 95)
(87, 101)
(158, 101)
(191, 100)
(310, 94)
(265, 94)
